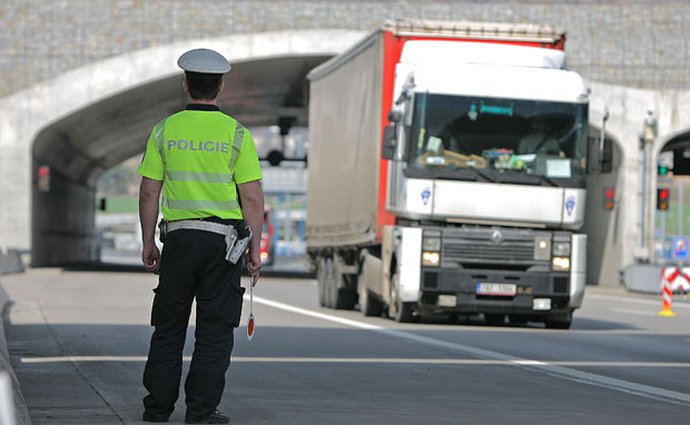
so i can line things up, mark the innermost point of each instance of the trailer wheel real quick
(369, 305)
(398, 310)
(321, 281)
(338, 295)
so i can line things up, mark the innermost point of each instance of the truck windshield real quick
(490, 136)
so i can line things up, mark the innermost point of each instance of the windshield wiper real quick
(535, 180)
(548, 180)
(483, 174)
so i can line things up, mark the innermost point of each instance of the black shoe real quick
(214, 418)
(147, 417)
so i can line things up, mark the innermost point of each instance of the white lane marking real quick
(316, 314)
(631, 311)
(638, 300)
(367, 360)
(620, 385)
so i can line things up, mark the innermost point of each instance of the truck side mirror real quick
(394, 116)
(600, 159)
(606, 155)
(388, 143)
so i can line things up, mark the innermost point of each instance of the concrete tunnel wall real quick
(33, 121)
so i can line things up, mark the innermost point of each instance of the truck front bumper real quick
(455, 291)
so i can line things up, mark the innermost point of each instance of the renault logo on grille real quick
(497, 236)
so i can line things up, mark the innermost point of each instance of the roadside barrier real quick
(673, 279)
(11, 262)
(6, 400)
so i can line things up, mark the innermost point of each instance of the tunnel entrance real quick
(71, 154)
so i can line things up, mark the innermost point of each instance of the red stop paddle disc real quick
(250, 322)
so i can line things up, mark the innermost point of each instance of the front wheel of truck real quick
(369, 305)
(559, 321)
(398, 310)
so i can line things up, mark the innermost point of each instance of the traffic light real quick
(609, 198)
(663, 196)
(662, 170)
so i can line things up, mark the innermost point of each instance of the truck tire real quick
(399, 311)
(559, 321)
(321, 281)
(369, 305)
(339, 296)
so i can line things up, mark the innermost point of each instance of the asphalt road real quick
(78, 342)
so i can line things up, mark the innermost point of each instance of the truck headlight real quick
(561, 264)
(431, 258)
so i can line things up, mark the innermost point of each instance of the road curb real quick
(21, 411)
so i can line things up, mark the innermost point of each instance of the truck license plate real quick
(497, 289)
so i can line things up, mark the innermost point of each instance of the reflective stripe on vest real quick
(237, 141)
(199, 205)
(159, 137)
(199, 176)
(158, 133)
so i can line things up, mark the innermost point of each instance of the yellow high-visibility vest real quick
(201, 155)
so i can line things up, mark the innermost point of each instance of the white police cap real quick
(204, 61)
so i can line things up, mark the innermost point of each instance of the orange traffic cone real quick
(667, 294)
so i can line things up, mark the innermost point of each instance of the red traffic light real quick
(609, 198)
(663, 196)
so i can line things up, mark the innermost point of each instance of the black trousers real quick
(192, 266)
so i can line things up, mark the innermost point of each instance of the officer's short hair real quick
(203, 86)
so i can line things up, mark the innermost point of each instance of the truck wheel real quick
(399, 311)
(321, 281)
(338, 295)
(559, 321)
(494, 319)
(369, 305)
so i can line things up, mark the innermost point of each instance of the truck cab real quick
(488, 156)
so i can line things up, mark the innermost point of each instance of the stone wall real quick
(636, 43)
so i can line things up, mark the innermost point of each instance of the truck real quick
(447, 167)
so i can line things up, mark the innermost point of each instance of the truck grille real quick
(503, 248)
(461, 251)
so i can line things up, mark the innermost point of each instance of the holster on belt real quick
(237, 241)
(237, 235)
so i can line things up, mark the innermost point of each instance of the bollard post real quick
(667, 293)
(6, 400)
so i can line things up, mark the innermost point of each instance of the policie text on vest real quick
(192, 145)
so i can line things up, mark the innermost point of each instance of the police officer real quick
(206, 164)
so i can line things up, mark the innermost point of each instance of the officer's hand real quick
(151, 257)
(253, 266)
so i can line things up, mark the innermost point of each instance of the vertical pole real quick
(663, 234)
(681, 209)
(641, 195)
